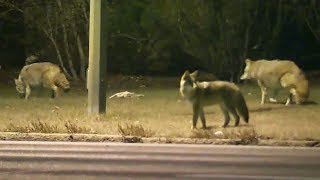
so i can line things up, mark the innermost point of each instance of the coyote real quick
(276, 75)
(44, 74)
(201, 94)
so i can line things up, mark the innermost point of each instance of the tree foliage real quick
(166, 36)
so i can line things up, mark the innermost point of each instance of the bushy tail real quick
(242, 107)
(298, 85)
(302, 88)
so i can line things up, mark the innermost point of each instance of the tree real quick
(167, 36)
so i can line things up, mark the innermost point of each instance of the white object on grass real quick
(126, 94)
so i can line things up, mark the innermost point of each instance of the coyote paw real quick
(288, 102)
(273, 100)
(224, 126)
(193, 127)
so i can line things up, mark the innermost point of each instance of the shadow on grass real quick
(310, 103)
(280, 105)
(261, 109)
(303, 104)
(211, 127)
(240, 125)
(230, 126)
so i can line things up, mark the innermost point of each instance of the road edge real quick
(13, 136)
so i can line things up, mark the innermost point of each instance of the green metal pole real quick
(96, 77)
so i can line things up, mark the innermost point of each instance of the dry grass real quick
(207, 134)
(35, 126)
(73, 127)
(135, 130)
(46, 127)
(161, 111)
(247, 135)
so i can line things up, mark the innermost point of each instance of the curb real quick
(13, 136)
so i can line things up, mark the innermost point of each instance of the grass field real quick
(161, 112)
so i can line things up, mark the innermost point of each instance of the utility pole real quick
(96, 74)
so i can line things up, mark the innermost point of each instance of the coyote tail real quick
(302, 88)
(242, 107)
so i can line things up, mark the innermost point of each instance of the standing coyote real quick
(277, 74)
(43, 74)
(201, 94)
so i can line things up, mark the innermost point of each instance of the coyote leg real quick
(274, 94)
(55, 93)
(263, 92)
(195, 116)
(226, 115)
(293, 94)
(28, 92)
(203, 119)
(289, 100)
(235, 115)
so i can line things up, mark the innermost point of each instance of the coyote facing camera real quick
(223, 93)
(44, 74)
(276, 75)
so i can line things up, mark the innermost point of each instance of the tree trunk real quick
(82, 56)
(275, 30)
(66, 44)
(245, 53)
(60, 57)
(85, 14)
(67, 49)
(49, 32)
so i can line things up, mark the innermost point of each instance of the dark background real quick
(165, 37)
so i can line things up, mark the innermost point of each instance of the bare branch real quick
(311, 28)
(129, 37)
(11, 5)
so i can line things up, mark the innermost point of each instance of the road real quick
(80, 160)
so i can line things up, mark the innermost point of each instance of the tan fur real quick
(43, 74)
(223, 93)
(203, 76)
(275, 75)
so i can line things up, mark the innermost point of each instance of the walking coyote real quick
(201, 94)
(43, 74)
(276, 75)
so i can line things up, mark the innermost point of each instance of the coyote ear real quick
(186, 73)
(195, 73)
(248, 61)
(194, 85)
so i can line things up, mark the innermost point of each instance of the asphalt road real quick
(71, 160)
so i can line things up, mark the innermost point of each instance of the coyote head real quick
(20, 87)
(246, 74)
(187, 83)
